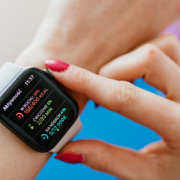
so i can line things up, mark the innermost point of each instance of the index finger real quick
(137, 104)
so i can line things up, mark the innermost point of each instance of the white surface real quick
(19, 20)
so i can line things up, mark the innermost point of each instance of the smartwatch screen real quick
(39, 111)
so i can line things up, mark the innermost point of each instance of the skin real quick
(72, 33)
(159, 160)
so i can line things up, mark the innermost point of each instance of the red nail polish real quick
(56, 65)
(70, 158)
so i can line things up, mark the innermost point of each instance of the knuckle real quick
(168, 43)
(151, 54)
(102, 164)
(170, 40)
(152, 51)
(170, 46)
(82, 77)
(126, 95)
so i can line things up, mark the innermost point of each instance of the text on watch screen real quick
(38, 107)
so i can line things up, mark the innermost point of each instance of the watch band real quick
(7, 73)
(75, 128)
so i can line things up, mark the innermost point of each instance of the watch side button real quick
(48, 73)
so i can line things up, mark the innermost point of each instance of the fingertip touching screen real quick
(37, 110)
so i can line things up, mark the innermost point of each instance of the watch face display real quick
(37, 110)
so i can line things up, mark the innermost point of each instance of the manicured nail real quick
(56, 65)
(70, 158)
(96, 105)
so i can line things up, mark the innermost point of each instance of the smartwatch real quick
(36, 108)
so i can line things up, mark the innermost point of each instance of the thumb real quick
(117, 161)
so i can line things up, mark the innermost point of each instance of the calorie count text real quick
(36, 100)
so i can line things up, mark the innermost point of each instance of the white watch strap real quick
(75, 128)
(7, 72)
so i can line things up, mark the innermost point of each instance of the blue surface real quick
(100, 123)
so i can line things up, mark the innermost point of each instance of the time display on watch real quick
(39, 111)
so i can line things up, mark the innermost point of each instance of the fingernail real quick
(96, 105)
(56, 65)
(70, 158)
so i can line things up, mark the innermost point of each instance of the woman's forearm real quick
(91, 33)
(83, 32)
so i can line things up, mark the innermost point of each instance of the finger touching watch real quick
(37, 109)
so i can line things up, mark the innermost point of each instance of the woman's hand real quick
(157, 161)
(87, 34)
